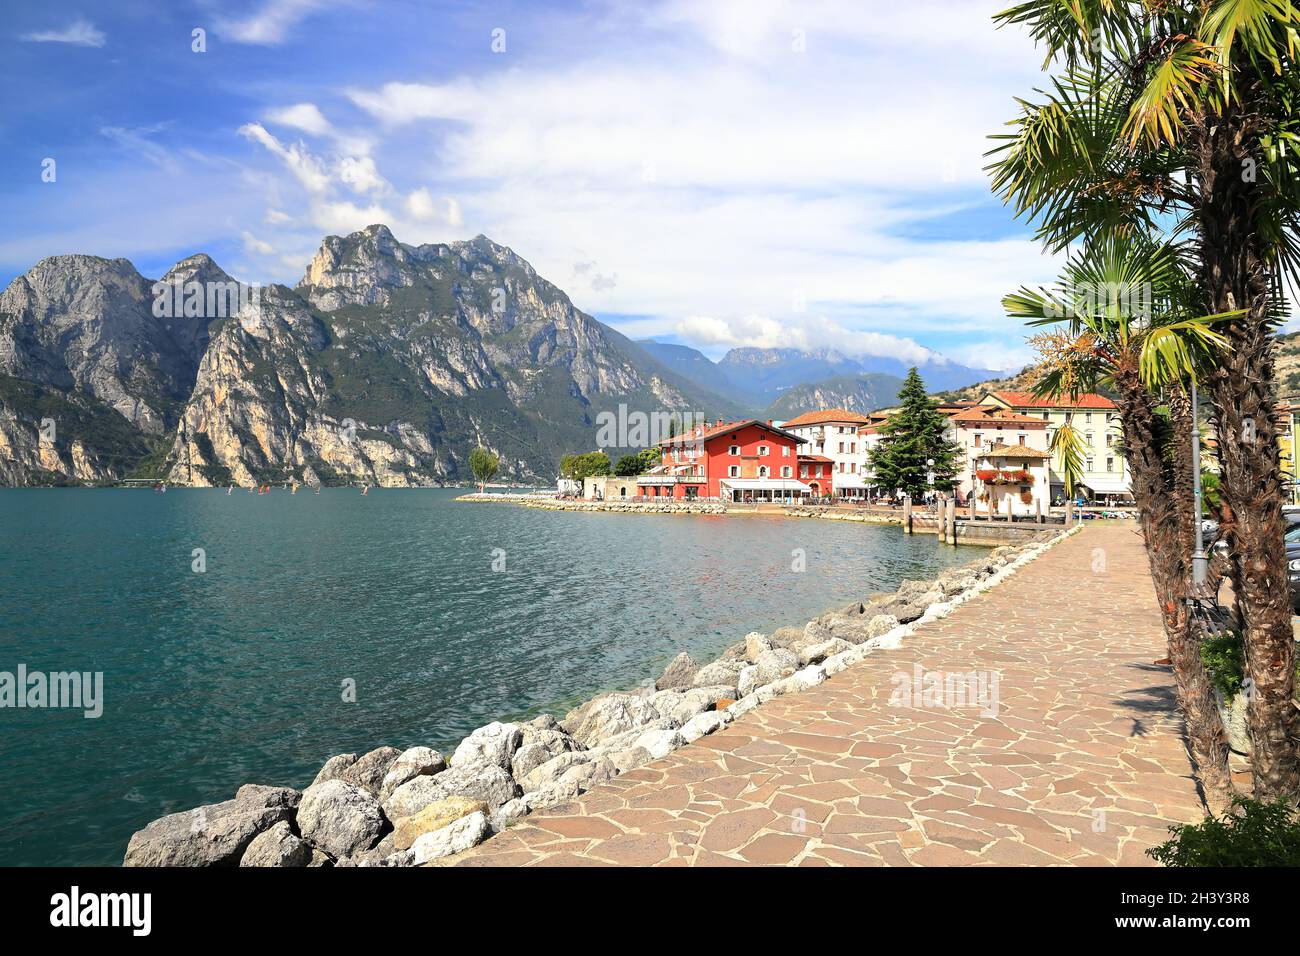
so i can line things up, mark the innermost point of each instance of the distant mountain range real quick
(387, 363)
(783, 382)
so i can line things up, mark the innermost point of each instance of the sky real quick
(714, 173)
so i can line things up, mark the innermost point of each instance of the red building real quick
(819, 473)
(737, 461)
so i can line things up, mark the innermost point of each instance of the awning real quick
(849, 481)
(1107, 486)
(764, 484)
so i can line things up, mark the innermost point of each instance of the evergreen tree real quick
(914, 455)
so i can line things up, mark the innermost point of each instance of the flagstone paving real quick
(1082, 762)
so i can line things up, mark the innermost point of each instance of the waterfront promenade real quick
(1080, 763)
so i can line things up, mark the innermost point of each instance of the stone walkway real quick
(1081, 764)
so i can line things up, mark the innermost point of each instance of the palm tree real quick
(1136, 338)
(1182, 117)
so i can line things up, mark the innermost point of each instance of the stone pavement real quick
(1081, 764)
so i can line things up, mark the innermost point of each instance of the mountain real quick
(766, 373)
(386, 363)
(1019, 382)
(692, 365)
(856, 393)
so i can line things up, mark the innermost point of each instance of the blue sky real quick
(715, 173)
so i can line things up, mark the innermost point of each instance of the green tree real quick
(484, 465)
(1182, 118)
(587, 465)
(629, 466)
(914, 454)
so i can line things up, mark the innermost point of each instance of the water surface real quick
(236, 674)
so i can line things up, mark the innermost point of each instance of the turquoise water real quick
(235, 675)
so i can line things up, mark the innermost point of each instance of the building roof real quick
(708, 434)
(1013, 451)
(1030, 400)
(995, 415)
(821, 458)
(827, 416)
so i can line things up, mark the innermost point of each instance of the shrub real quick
(1251, 833)
(1224, 661)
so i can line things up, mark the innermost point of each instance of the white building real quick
(1012, 480)
(846, 439)
(976, 428)
(1096, 419)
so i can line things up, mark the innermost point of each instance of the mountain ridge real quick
(386, 364)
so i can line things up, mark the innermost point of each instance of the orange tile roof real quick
(1013, 451)
(827, 415)
(1029, 400)
(995, 414)
(816, 458)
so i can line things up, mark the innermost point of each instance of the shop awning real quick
(765, 485)
(1107, 486)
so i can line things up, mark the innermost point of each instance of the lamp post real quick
(1198, 555)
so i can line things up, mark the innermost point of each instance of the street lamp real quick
(1198, 555)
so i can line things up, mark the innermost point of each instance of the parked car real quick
(1293, 563)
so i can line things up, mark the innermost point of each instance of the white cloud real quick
(304, 116)
(79, 32)
(304, 166)
(360, 174)
(257, 246)
(269, 25)
(800, 173)
(805, 332)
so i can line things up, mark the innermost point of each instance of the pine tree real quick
(914, 456)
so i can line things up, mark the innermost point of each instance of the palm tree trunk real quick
(1196, 693)
(1234, 275)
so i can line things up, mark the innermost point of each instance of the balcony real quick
(995, 476)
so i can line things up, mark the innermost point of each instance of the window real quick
(853, 467)
(1087, 418)
(978, 439)
(1022, 439)
(763, 450)
(1045, 416)
(841, 468)
(733, 471)
(733, 451)
(762, 471)
(785, 451)
(853, 430)
(803, 471)
(853, 448)
(1110, 441)
(1110, 466)
(786, 471)
(841, 448)
(1088, 465)
(819, 471)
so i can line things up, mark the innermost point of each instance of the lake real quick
(231, 665)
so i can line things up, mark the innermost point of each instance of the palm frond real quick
(1067, 450)
(1175, 88)
(1261, 27)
